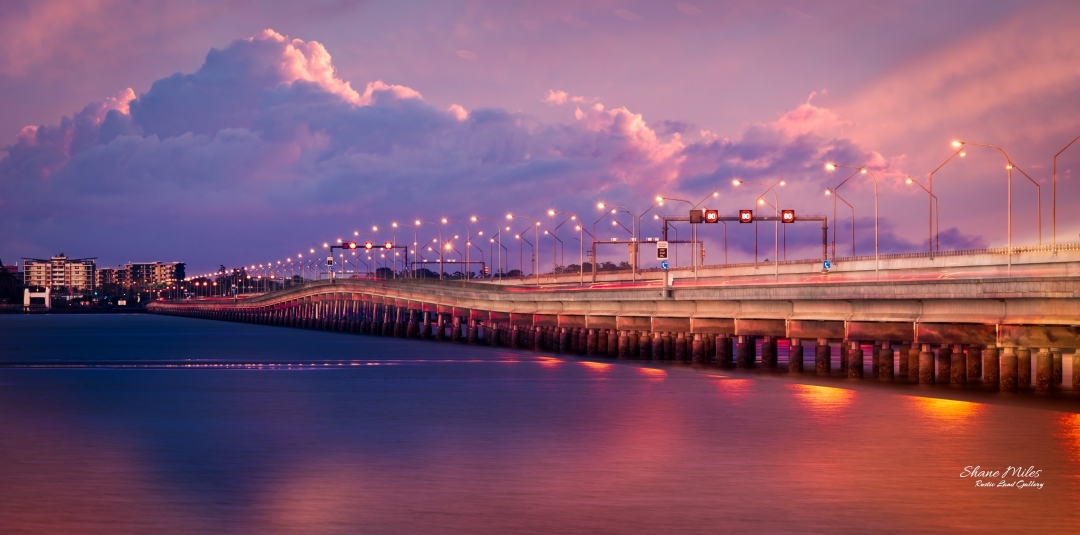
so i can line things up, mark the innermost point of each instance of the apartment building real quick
(60, 273)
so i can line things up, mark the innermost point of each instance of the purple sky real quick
(224, 133)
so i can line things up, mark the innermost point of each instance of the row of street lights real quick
(635, 230)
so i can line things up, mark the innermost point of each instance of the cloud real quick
(626, 14)
(263, 147)
(556, 97)
(466, 54)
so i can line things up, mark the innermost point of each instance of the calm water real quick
(412, 437)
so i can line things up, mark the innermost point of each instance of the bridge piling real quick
(855, 360)
(991, 357)
(1044, 371)
(1055, 354)
(1023, 368)
(823, 357)
(887, 361)
(974, 363)
(1009, 369)
(958, 366)
(944, 364)
(795, 355)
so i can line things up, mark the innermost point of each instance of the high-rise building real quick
(141, 275)
(60, 273)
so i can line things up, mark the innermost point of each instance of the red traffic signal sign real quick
(368, 245)
(388, 245)
(746, 216)
(712, 216)
(787, 216)
(348, 245)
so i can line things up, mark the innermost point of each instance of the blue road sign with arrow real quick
(664, 264)
(826, 264)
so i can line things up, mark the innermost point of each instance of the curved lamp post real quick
(864, 170)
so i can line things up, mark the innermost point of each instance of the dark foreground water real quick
(390, 436)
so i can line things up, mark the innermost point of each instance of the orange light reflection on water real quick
(947, 413)
(1070, 435)
(597, 366)
(550, 362)
(823, 401)
(735, 388)
(653, 374)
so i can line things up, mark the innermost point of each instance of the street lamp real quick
(498, 232)
(864, 170)
(836, 196)
(468, 265)
(536, 236)
(1053, 201)
(635, 242)
(439, 228)
(776, 223)
(937, 222)
(1009, 166)
(930, 215)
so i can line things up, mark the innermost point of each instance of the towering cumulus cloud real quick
(264, 148)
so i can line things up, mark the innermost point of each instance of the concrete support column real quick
(958, 366)
(845, 348)
(680, 348)
(912, 357)
(696, 349)
(564, 340)
(795, 356)
(974, 363)
(1023, 368)
(656, 350)
(613, 343)
(669, 345)
(455, 329)
(1009, 369)
(709, 349)
(769, 358)
(991, 358)
(575, 340)
(601, 341)
(647, 346)
(1055, 354)
(1076, 371)
(875, 362)
(515, 337)
(823, 357)
(590, 342)
(743, 352)
(425, 326)
(855, 360)
(635, 345)
(944, 364)
(886, 360)
(472, 336)
(624, 345)
(439, 328)
(902, 357)
(1044, 371)
(723, 351)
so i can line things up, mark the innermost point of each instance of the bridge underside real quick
(975, 331)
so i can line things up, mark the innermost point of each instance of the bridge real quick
(969, 319)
